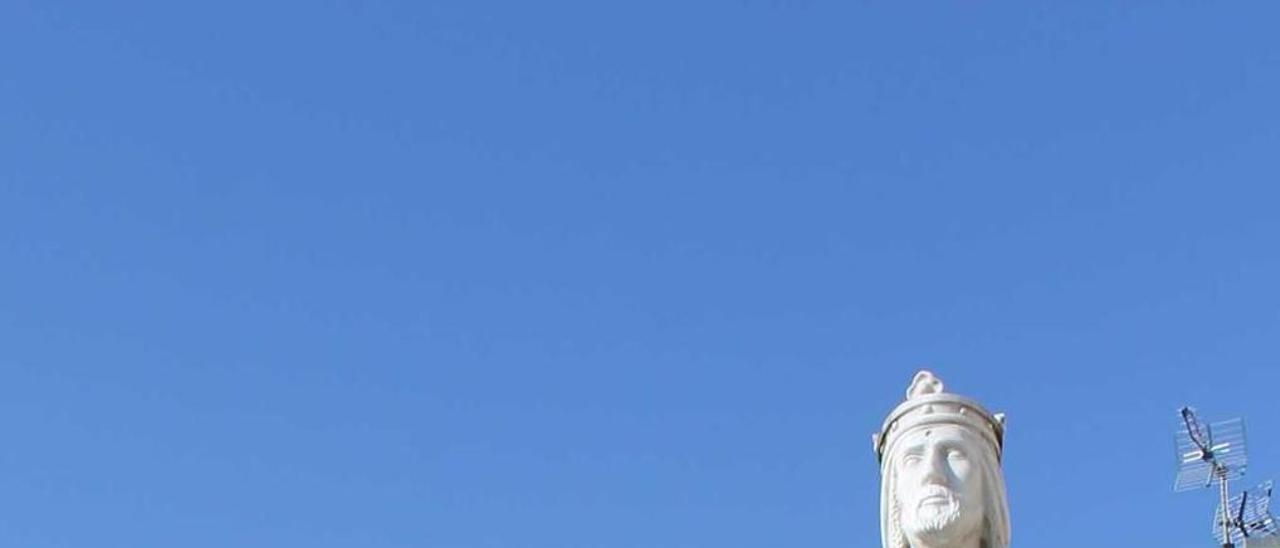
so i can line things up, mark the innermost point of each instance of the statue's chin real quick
(937, 524)
(934, 523)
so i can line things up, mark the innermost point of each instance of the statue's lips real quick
(935, 500)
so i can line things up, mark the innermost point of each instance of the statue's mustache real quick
(934, 492)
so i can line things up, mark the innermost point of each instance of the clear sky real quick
(610, 275)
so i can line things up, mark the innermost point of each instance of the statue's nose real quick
(935, 477)
(936, 473)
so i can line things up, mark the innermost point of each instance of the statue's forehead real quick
(937, 433)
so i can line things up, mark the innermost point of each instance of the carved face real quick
(939, 488)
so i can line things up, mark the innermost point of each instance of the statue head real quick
(941, 484)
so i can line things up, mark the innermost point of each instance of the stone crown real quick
(927, 404)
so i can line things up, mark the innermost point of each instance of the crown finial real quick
(924, 384)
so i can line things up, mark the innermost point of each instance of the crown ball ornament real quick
(924, 384)
(940, 477)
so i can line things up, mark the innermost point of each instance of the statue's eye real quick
(956, 454)
(911, 459)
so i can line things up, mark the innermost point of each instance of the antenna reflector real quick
(1251, 522)
(1208, 453)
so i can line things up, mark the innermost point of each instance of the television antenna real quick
(1208, 454)
(1250, 515)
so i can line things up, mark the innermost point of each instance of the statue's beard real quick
(934, 518)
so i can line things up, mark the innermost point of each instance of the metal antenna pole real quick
(1226, 516)
(1209, 452)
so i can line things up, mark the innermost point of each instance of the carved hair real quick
(995, 524)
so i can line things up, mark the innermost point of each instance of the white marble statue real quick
(940, 479)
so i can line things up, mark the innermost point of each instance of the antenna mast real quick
(1215, 453)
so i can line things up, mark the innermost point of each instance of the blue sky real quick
(606, 275)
